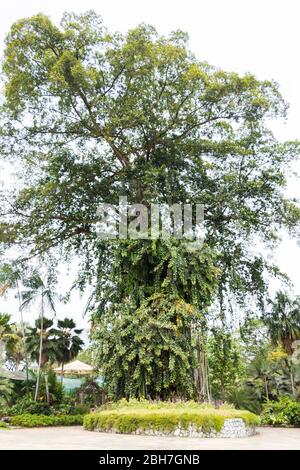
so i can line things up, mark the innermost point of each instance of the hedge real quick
(127, 418)
(31, 421)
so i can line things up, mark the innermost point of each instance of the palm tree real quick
(37, 289)
(283, 323)
(48, 354)
(69, 342)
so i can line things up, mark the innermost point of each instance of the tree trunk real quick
(201, 375)
(47, 388)
(23, 336)
(266, 388)
(62, 374)
(37, 387)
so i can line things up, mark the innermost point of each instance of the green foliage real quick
(286, 411)
(244, 398)
(145, 327)
(28, 406)
(137, 115)
(283, 321)
(68, 340)
(55, 388)
(225, 362)
(268, 372)
(4, 425)
(128, 417)
(6, 391)
(7, 333)
(49, 347)
(33, 420)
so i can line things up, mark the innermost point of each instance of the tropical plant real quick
(11, 278)
(17, 355)
(283, 321)
(283, 412)
(69, 343)
(225, 362)
(6, 390)
(43, 348)
(7, 333)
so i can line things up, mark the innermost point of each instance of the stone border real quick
(232, 428)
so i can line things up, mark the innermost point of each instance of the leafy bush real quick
(56, 390)
(284, 412)
(244, 398)
(127, 417)
(27, 406)
(3, 425)
(31, 421)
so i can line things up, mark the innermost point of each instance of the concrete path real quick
(76, 438)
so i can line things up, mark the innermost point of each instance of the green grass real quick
(33, 421)
(127, 417)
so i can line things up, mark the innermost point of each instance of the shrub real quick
(285, 412)
(56, 390)
(127, 417)
(32, 421)
(3, 425)
(27, 406)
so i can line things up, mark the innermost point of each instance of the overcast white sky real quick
(260, 36)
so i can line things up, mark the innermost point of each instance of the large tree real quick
(92, 115)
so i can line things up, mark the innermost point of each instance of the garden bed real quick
(187, 419)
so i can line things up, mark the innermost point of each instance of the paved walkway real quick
(77, 438)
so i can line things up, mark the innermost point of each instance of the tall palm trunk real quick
(62, 373)
(266, 388)
(23, 336)
(37, 387)
(47, 387)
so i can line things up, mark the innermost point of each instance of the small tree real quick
(69, 343)
(225, 363)
(44, 333)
